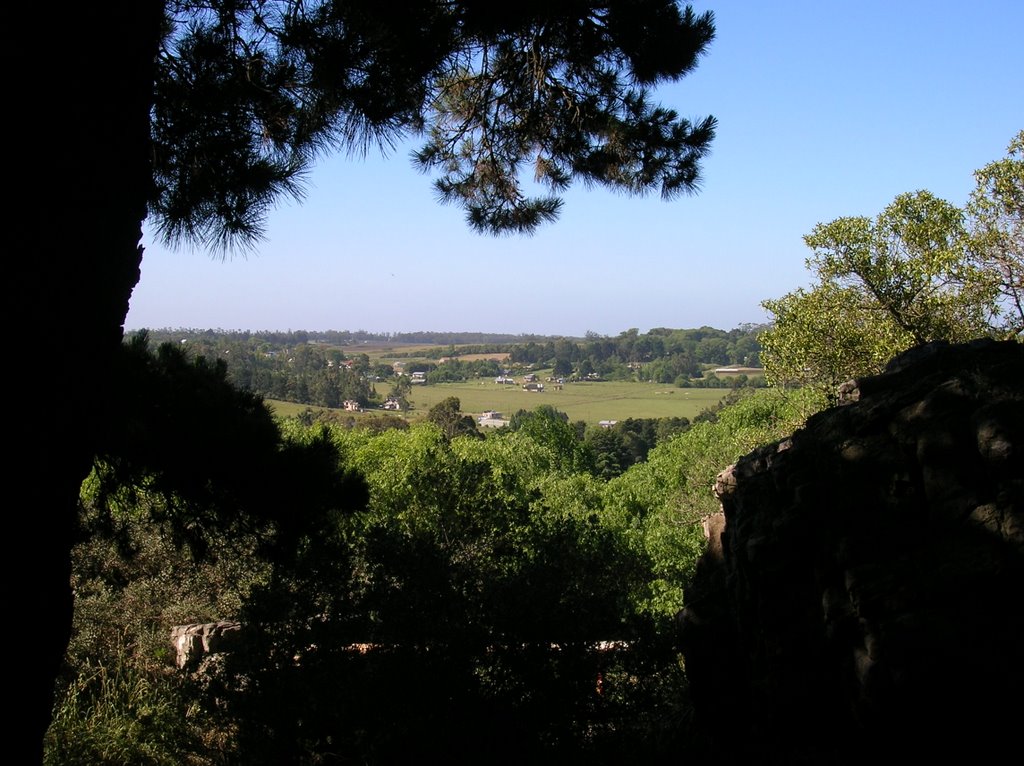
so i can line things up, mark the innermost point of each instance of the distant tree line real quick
(487, 340)
(302, 372)
(662, 354)
(688, 348)
(322, 368)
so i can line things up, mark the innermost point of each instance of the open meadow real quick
(591, 402)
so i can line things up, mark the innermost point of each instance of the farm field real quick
(418, 353)
(290, 409)
(591, 402)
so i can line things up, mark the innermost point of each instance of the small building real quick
(391, 403)
(491, 419)
(351, 405)
(419, 377)
(535, 387)
(607, 423)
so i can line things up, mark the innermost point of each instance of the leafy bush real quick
(408, 594)
(117, 714)
(664, 499)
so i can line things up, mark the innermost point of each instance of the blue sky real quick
(825, 109)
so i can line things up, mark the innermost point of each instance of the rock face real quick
(194, 642)
(862, 594)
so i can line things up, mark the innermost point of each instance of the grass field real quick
(590, 402)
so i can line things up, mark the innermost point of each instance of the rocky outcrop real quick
(192, 643)
(863, 592)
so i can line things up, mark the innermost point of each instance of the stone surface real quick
(194, 642)
(863, 589)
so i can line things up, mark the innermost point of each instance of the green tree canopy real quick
(551, 429)
(920, 271)
(996, 218)
(447, 415)
(823, 337)
(909, 263)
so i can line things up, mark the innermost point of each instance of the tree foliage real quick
(448, 416)
(185, 432)
(551, 428)
(201, 114)
(996, 218)
(661, 354)
(475, 601)
(921, 270)
(663, 499)
(249, 94)
(909, 263)
(495, 582)
(627, 443)
(822, 337)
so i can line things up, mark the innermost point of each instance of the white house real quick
(491, 419)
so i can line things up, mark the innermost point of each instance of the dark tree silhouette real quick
(248, 94)
(447, 415)
(202, 113)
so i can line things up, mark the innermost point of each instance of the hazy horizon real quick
(423, 331)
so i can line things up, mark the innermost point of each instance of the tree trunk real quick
(77, 127)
